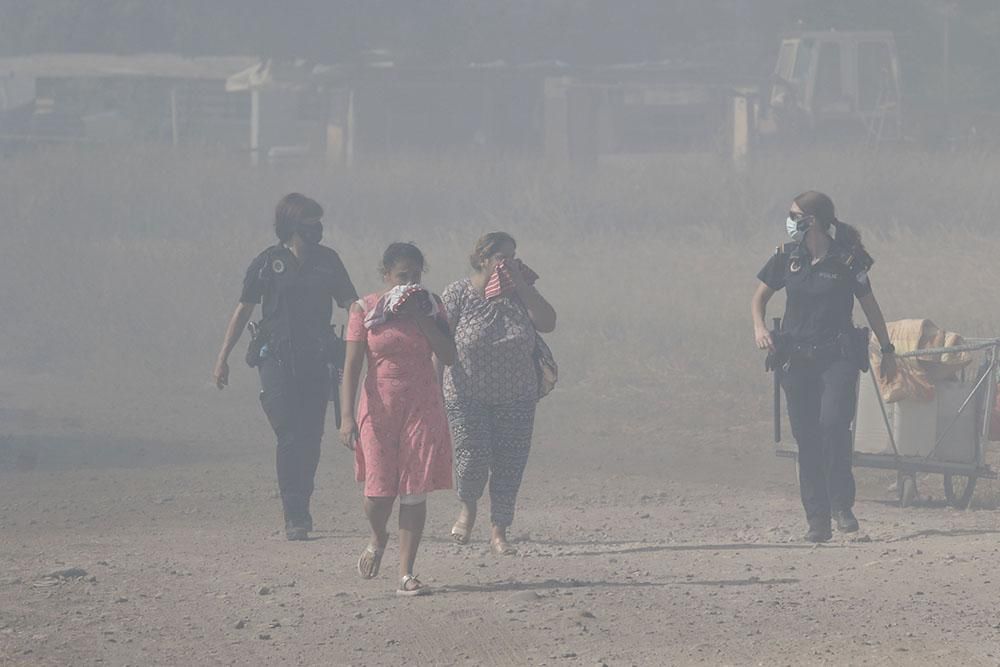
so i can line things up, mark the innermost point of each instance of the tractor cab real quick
(837, 83)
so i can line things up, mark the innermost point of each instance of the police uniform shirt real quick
(296, 296)
(820, 297)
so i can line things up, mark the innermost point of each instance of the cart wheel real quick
(958, 490)
(907, 490)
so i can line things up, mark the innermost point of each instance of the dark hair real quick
(820, 206)
(400, 251)
(487, 245)
(291, 210)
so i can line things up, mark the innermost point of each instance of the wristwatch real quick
(888, 349)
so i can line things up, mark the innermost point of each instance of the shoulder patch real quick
(270, 262)
(857, 260)
(865, 260)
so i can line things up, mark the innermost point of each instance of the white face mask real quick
(797, 228)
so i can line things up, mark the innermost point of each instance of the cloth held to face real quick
(392, 302)
(501, 283)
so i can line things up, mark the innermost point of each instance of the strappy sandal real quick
(374, 557)
(461, 532)
(502, 548)
(410, 586)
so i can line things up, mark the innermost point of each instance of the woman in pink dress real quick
(400, 436)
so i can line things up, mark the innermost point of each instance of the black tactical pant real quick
(821, 399)
(295, 405)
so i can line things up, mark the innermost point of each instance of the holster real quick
(257, 341)
(778, 359)
(854, 347)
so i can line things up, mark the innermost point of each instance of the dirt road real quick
(184, 567)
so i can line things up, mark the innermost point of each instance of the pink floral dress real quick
(404, 446)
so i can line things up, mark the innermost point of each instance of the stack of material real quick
(916, 376)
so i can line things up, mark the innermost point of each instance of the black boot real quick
(819, 530)
(846, 521)
(294, 533)
(298, 523)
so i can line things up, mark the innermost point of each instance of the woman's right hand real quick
(348, 433)
(763, 338)
(888, 368)
(220, 374)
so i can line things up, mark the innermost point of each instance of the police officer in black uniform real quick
(293, 345)
(819, 351)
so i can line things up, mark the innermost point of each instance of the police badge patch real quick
(278, 267)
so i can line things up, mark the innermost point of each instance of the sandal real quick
(410, 586)
(370, 561)
(461, 532)
(502, 548)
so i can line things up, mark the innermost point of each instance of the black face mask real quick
(311, 233)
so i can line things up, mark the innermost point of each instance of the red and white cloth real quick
(390, 303)
(501, 283)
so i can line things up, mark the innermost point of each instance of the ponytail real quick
(848, 235)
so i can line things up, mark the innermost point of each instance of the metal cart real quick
(943, 436)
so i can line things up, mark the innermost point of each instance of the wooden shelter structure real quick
(102, 97)
(379, 108)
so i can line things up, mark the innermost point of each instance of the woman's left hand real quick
(516, 274)
(887, 369)
(349, 433)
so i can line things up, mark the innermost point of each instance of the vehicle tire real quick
(958, 490)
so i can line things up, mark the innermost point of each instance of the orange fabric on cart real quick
(916, 376)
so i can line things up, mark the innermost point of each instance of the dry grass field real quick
(120, 267)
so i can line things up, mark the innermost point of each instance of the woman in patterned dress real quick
(492, 388)
(400, 436)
